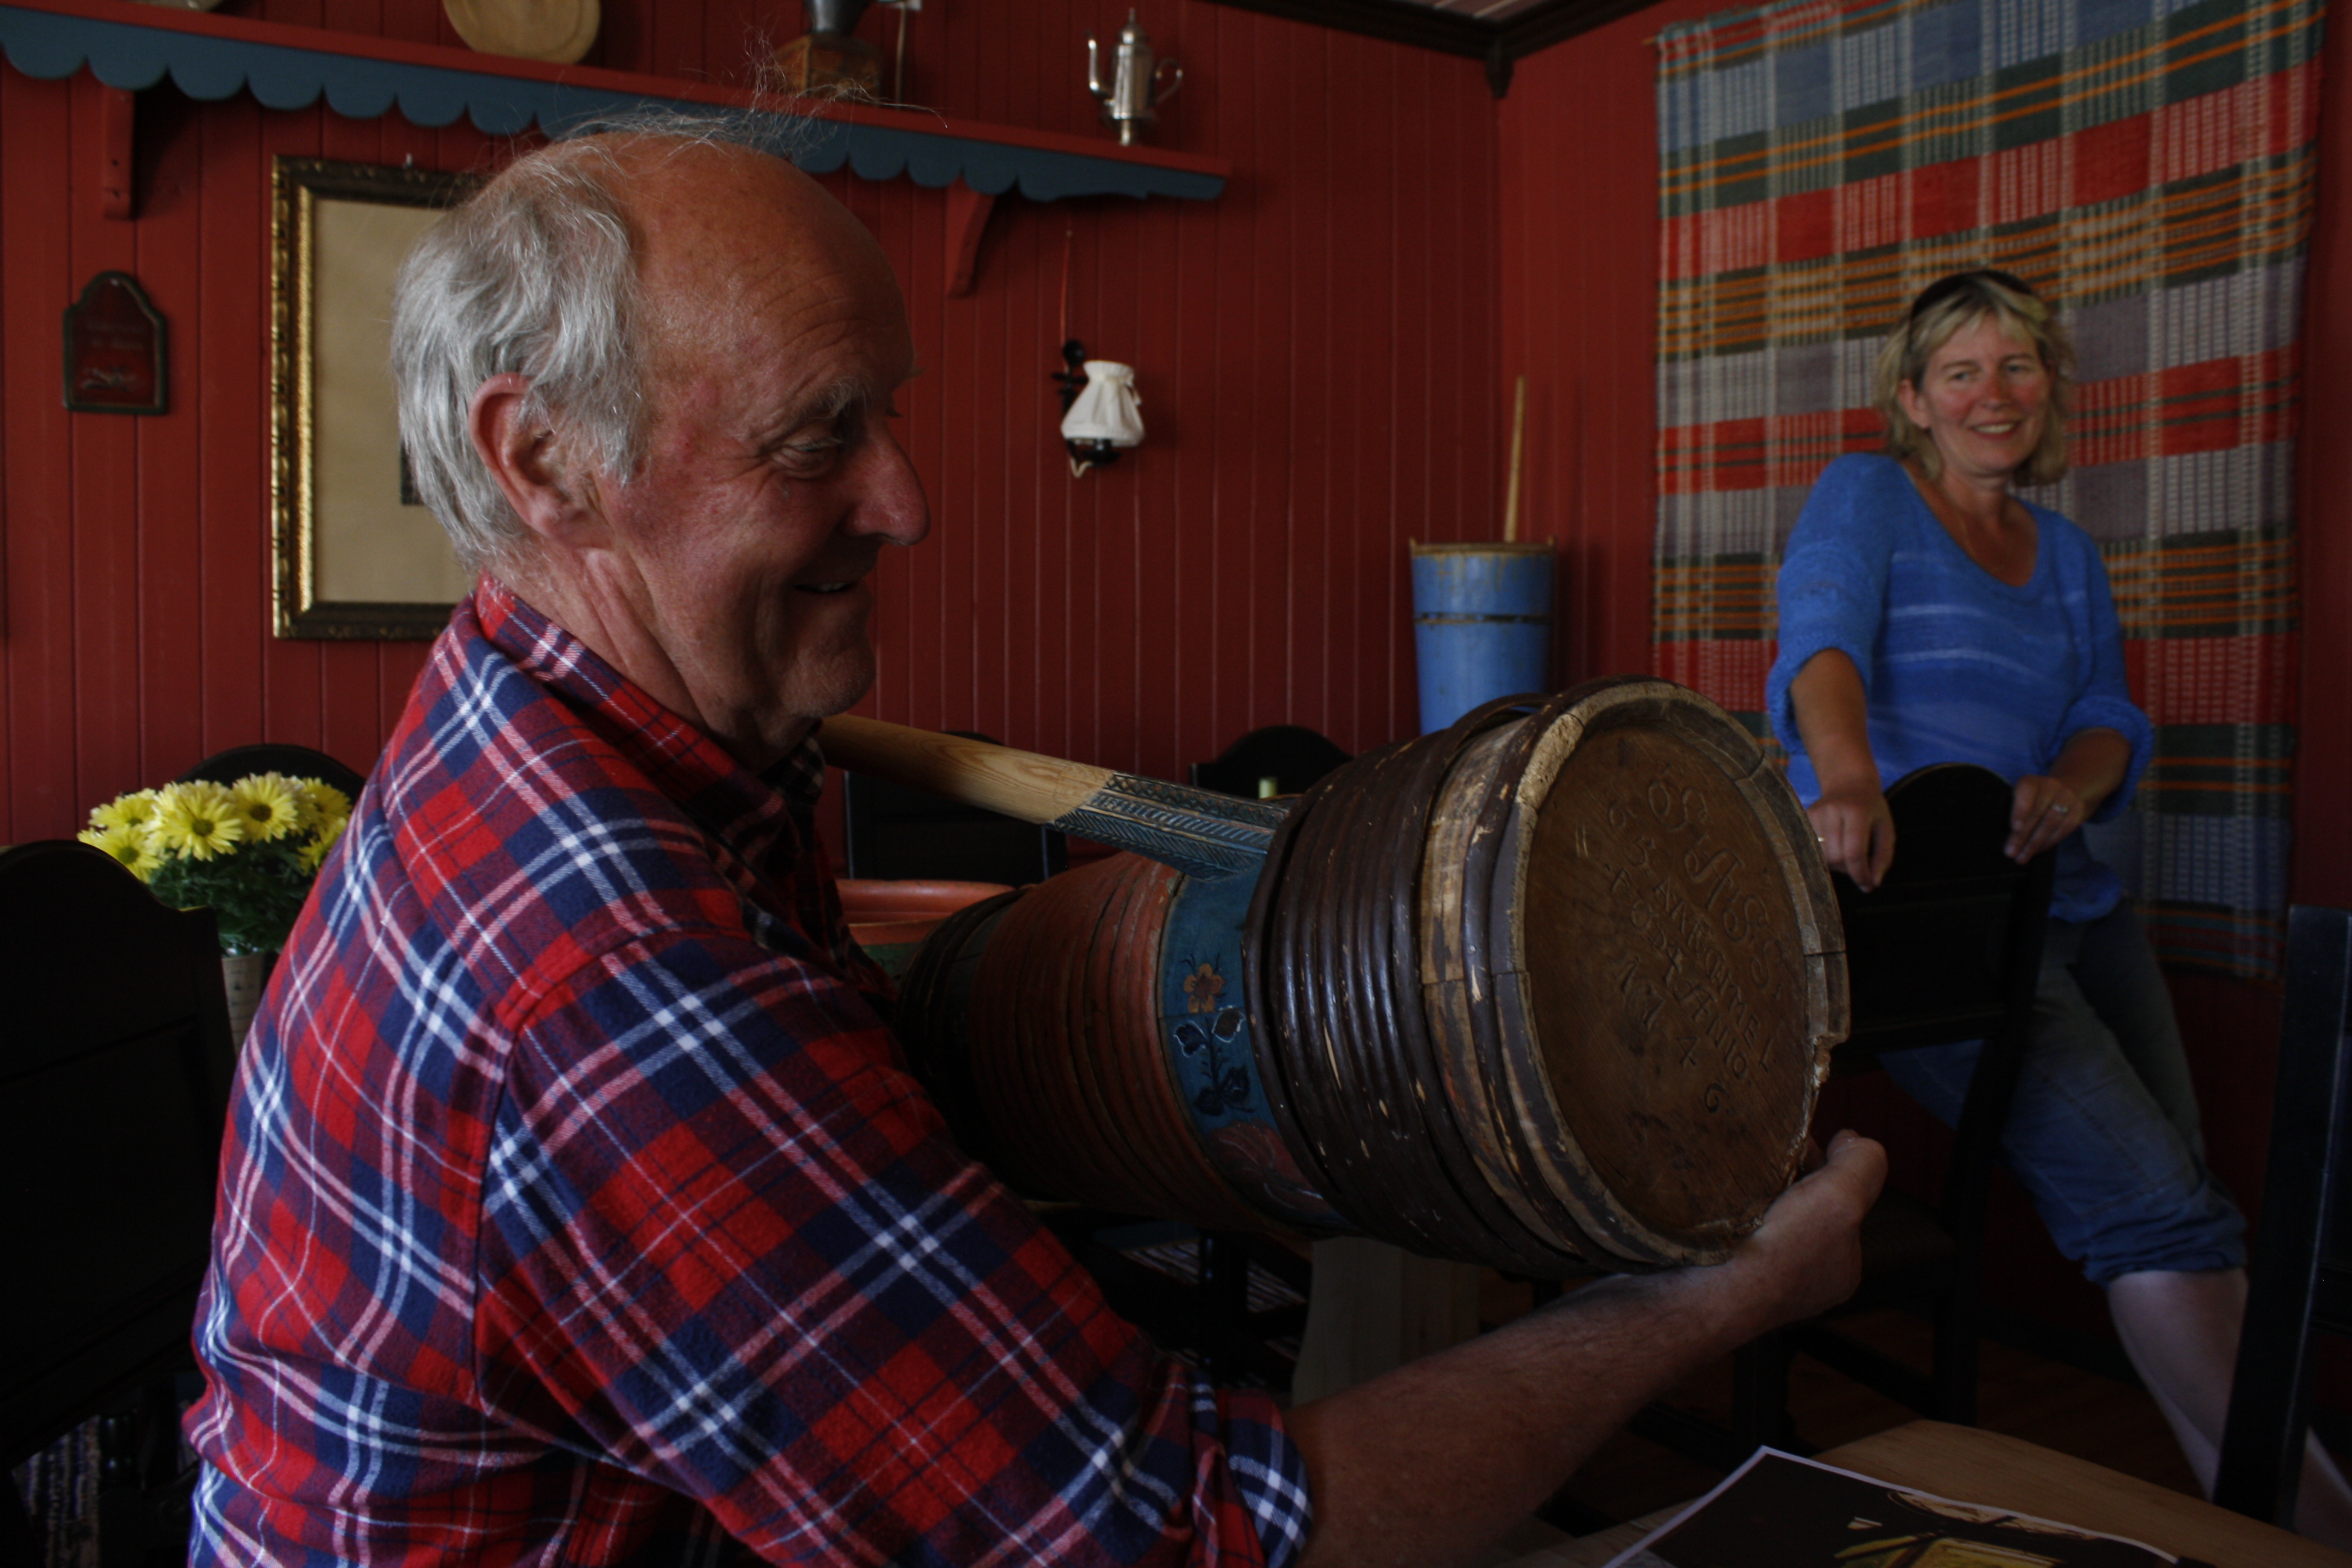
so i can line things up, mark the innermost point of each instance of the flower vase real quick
(244, 974)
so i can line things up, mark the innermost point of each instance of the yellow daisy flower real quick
(267, 806)
(127, 843)
(136, 809)
(195, 821)
(332, 804)
(315, 852)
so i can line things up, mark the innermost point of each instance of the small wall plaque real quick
(114, 348)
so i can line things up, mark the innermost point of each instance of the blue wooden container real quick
(1481, 625)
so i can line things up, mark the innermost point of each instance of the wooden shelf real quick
(128, 46)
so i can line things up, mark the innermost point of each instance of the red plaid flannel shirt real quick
(576, 1205)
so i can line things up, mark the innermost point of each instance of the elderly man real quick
(577, 1206)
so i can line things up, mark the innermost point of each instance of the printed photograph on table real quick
(357, 553)
(1780, 1511)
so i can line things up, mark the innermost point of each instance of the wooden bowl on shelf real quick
(558, 31)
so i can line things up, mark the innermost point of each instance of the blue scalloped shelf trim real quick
(48, 45)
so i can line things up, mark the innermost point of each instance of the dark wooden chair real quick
(1948, 949)
(1280, 758)
(2302, 1277)
(115, 1079)
(269, 757)
(897, 833)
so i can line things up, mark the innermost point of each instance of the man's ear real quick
(531, 463)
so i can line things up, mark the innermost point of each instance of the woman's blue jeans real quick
(2103, 1132)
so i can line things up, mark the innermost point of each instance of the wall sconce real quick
(1101, 414)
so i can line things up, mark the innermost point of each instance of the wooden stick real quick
(1518, 436)
(1196, 831)
(973, 772)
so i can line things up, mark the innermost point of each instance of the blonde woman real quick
(1929, 613)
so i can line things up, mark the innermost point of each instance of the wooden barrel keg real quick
(1624, 948)
(1552, 990)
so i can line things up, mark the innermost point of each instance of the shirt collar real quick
(752, 811)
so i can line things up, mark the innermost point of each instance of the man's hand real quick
(1428, 1465)
(1806, 1256)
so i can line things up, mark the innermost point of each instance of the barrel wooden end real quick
(1585, 1026)
(1670, 955)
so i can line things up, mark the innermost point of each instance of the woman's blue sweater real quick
(1956, 664)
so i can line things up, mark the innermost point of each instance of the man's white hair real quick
(535, 273)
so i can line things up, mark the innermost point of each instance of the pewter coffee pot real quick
(1129, 104)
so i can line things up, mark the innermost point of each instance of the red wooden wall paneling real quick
(1578, 152)
(169, 685)
(101, 495)
(2323, 790)
(35, 488)
(1317, 352)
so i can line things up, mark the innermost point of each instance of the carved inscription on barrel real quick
(1674, 971)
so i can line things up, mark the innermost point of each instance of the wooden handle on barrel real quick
(1197, 831)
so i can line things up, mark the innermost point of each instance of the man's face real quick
(739, 554)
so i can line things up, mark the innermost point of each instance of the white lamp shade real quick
(1108, 408)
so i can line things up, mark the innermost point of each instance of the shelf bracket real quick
(968, 213)
(114, 112)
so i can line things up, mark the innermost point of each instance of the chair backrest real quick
(1291, 755)
(269, 757)
(1949, 945)
(2302, 1277)
(1949, 948)
(114, 1081)
(897, 833)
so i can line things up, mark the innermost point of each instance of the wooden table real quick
(1973, 1466)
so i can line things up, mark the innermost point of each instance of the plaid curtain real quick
(2148, 167)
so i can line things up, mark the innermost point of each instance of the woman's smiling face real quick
(1983, 399)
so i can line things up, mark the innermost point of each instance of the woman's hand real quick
(2048, 806)
(1856, 832)
(2044, 811)
(1851, 819)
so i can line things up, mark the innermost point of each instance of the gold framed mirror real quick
(356, 554)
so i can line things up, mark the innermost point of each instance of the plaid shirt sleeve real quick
(730, 1245)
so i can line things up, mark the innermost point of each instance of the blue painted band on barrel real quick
(1482, 625)
(1204, 1028)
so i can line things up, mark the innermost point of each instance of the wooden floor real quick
(2022, 1394)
